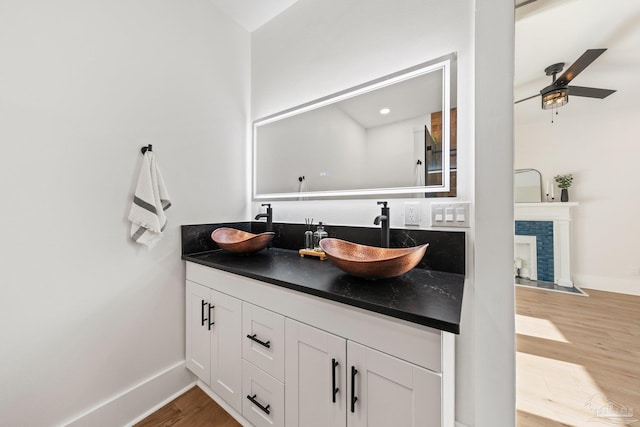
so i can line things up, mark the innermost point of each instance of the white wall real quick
(334, 152)
(391, 153)
(324, 145)
(318, 48)
(596, 141)
(84, 312)
(493, 291)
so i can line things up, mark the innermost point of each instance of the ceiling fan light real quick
(555, 98)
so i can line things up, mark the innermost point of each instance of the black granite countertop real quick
(422, 296)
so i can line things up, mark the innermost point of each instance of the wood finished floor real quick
(578, 358)
(192, 409)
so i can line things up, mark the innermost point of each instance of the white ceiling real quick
(252, 14)
(409, 99)
(551, 31)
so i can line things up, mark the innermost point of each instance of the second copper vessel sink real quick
(241, 242)
(370, 261)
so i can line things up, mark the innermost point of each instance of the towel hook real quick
(301, 178)
(148, 147)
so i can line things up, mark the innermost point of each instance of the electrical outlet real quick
(412, 213)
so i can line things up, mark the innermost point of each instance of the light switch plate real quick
(450, 214)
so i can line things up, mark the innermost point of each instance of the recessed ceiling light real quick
(385, 111)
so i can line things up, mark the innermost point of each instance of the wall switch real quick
(450, 214)
(412, 213)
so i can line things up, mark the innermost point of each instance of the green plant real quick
(564, 181)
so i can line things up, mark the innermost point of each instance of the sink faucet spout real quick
(383, 220)
(379, 218)
(268, 215)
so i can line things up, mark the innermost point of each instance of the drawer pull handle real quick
(262, 343)
(334, 389)
(253, 400)
(354, 398)
(210, 316)
(202, 318)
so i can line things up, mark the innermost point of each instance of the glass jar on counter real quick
(318, 235)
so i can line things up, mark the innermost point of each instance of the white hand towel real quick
(302, 187)
(418, 175)
(150, 201)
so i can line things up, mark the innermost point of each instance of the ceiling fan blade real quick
(523, 3)
(526, 99)
(577, 67)
(590, 92)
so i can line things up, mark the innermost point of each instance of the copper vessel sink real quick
(241, 242)
(369, 261)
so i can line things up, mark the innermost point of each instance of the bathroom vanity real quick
(282, 340)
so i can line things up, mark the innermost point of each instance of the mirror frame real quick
(445, 63)
(540, 197)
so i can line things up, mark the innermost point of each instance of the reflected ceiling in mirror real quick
(368, 140)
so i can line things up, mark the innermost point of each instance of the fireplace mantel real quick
(560, 214)
(555, 211)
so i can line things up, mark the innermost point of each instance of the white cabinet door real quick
(226, 348)
(263, 339)
(389, 391)
(198, 339)
(316, 375)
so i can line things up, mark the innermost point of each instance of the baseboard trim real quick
(161, 404)
(135, 403)
(224, 405)
(599, 283)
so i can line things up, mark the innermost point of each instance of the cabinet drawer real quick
(263, 339)
(263, 402)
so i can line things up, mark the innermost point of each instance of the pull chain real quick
(552, 110)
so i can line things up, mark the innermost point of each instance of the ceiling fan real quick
(557, 93)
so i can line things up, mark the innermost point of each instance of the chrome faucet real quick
(384, 219)
(268, 215)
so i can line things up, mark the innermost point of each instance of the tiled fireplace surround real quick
(550, 224)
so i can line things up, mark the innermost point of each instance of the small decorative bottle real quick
(319, 235)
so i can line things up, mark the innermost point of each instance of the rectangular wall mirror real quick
(373, 139)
